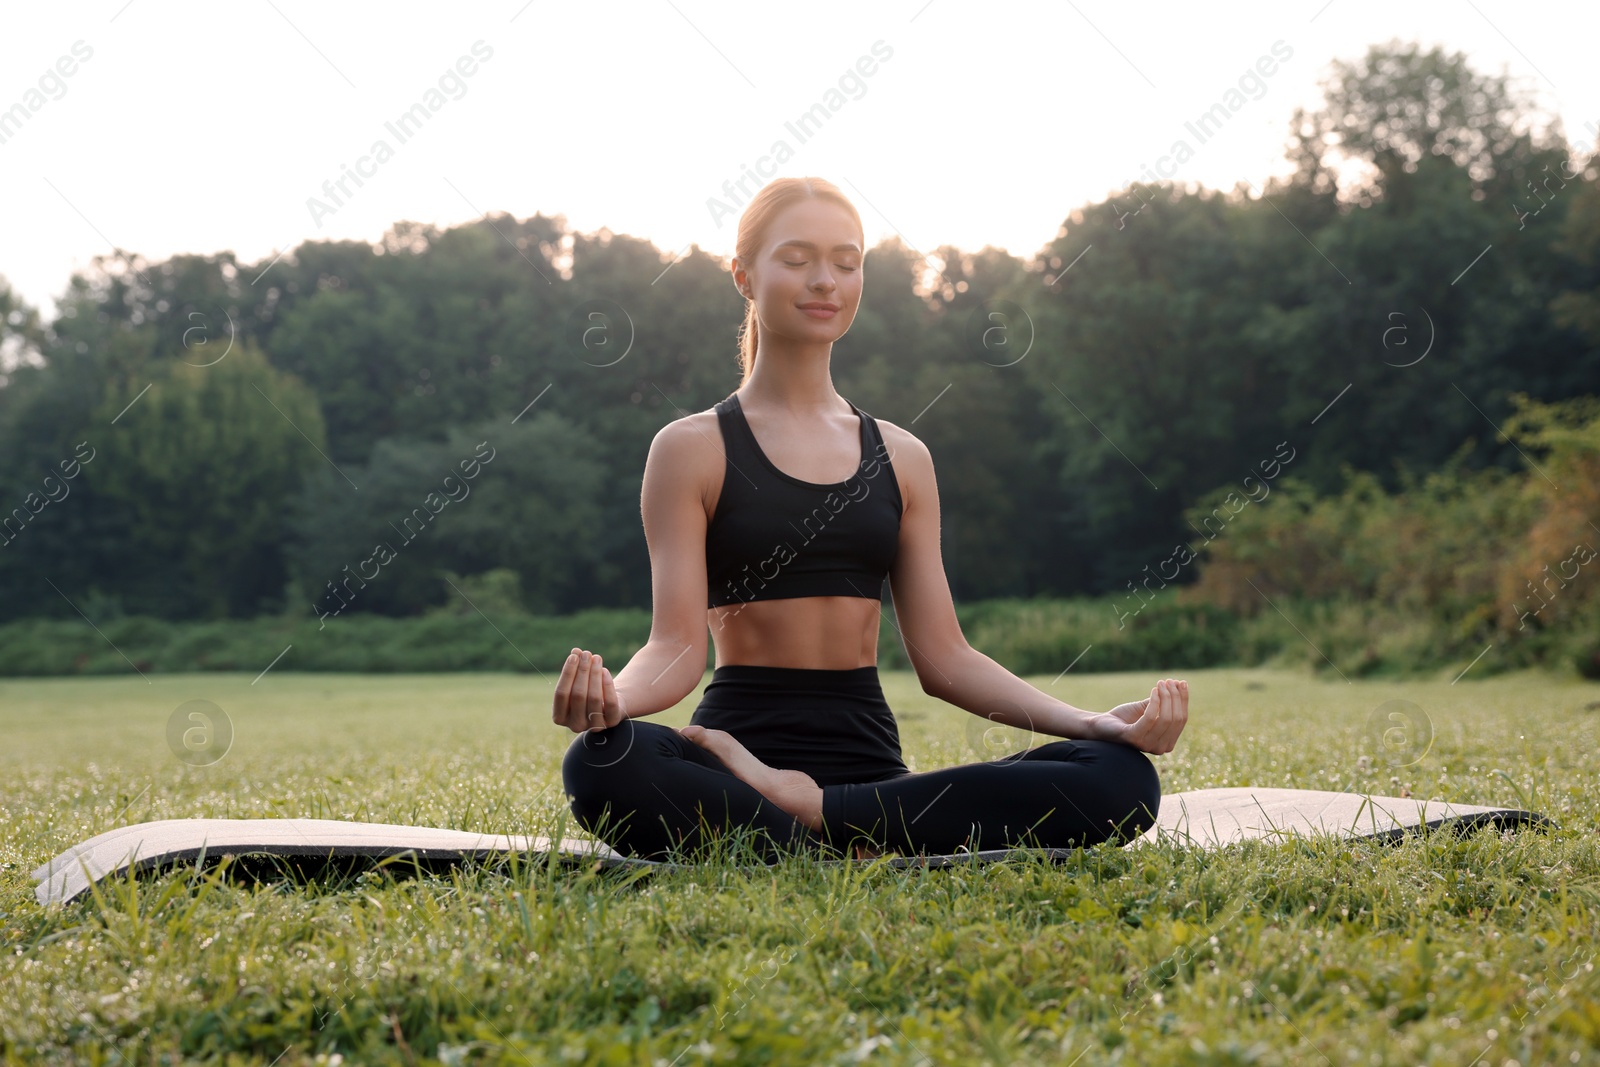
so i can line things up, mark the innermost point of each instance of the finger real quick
(580, 692)
(1161, 708)
(1181, 719)
(613, 706)
(1152, 715)
(561, 703)
(1175, 715)
(595, 703)
(1158, 726)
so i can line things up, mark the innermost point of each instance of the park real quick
(430, 678)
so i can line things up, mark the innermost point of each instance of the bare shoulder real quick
(897, 437)
(687, 453)
(687, 434)
(910, 458)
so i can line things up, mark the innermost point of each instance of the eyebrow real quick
(851, 247)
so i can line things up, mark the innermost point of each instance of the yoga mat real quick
(1204, 818)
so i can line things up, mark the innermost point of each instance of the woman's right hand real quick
(586, 697)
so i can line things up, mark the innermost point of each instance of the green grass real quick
(1438, 950)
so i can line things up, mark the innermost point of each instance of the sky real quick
(166, 127)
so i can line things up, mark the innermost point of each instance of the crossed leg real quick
(1064, 794)
(647, 789)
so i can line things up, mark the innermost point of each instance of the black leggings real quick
(646, 790)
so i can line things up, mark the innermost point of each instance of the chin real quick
(832, 328)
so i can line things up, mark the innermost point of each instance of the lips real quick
(819, 309)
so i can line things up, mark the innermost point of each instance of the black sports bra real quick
(774, 536)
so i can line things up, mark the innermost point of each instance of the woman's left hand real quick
(1152, 724)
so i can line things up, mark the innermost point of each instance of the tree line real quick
(258, 430)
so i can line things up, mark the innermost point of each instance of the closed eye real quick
(802, 263)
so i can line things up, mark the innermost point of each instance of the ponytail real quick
(749, 334)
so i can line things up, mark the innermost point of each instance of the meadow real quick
(1440, 949)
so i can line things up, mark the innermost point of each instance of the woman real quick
(789, 506)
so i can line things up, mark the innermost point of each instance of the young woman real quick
(785, 507)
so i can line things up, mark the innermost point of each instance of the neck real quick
(795, 376)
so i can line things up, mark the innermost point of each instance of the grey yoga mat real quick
(1204, 818)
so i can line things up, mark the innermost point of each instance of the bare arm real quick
(669, 666)
(673, 660)
(952, 670)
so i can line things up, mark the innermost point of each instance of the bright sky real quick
(198, 127)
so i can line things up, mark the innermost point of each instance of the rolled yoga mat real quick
(1204, 818)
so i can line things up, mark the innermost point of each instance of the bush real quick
(1453, 564)
(355, 643)
(1046, 636)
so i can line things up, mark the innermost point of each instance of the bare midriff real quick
(818, 632)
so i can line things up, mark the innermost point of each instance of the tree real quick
(1577, 306)
(491, 495)
(21, 330)
(1383, 114)
(201, 464)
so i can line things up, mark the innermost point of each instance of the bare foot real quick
(795, 792)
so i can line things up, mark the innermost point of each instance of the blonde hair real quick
(754, 223)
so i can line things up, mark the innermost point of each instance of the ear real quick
(741, 279)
